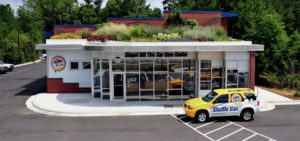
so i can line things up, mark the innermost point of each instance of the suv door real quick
(235, 104)
(220, 106)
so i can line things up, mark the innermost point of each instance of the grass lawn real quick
(284, 92)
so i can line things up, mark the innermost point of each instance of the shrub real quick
(190, 22)
(174, 19)
(164, 36)
(176, 29)
(66, 36)
(101, 25)
(138, 31)
(120, 30)
(296, 94)
(151, 30)
(205, 33)
(102, 38)
(83, 33)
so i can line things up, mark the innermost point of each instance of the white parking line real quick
(183, 117)
(218, 129)
(230, 134)
(204, 124)
(250, 137)
(192, 128)
(253, 131)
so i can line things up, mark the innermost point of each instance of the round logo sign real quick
(236, 99)
(58, 63)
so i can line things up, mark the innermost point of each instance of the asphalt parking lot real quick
(20, 124)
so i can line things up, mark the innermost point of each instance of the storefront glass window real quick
(132, 87)
(161, 65)
(175, 66)
(132, 65)
(146, 65)
(118, 65)
(243, 80)
(161, 86)
(188, 88)
(146, 80)
(232, 78)
(189, 65)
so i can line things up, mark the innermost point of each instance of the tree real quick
(191, 4)
(52, 11)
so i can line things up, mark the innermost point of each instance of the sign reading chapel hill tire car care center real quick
(58, 63)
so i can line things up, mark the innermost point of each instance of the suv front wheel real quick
(201, 116)
(246, 115)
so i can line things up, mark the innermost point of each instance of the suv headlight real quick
(190, 107)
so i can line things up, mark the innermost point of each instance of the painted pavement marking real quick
(208, 134)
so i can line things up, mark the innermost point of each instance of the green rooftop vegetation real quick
(140, 33)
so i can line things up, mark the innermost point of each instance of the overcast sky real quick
(16, 3)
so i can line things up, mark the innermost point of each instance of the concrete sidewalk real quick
(83, 105)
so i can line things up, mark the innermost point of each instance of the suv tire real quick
(246, 115)
(201, 116)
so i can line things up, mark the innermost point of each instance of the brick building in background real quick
(204, 18)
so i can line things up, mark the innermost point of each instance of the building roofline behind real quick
(72, 25)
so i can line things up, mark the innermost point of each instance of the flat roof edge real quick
(171, 48)
(58, 46)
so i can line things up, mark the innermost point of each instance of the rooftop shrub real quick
(213, 33)
(120, 30)
(66, 36)
(166, 36)
(83, 33)
(138, 31)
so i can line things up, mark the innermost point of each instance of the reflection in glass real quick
(132, 87)
(175, 66)
(97, 82)
(118, 86)
(188, 85)
(132, 65)
(146, 65)
(243, 80)
(161, 65)
(118, 65)
(146, 80)
(147, 95)
(217, 72)
(189, 65)
(105, 79)
(217, 83)
(205, 74)
(205, 85)
(105, 65)
(96, 67)
(175, 94)
(161, 86)
(175, 80)
(206, 64)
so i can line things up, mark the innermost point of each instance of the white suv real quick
(10, 67)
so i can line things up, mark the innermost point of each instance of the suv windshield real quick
(210, 96)
(1, 62)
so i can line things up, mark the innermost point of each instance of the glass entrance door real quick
(119, 86)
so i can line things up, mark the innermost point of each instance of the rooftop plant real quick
(66, 36)
(121, 32)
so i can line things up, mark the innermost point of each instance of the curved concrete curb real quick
(28, 63)
(34, 106)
